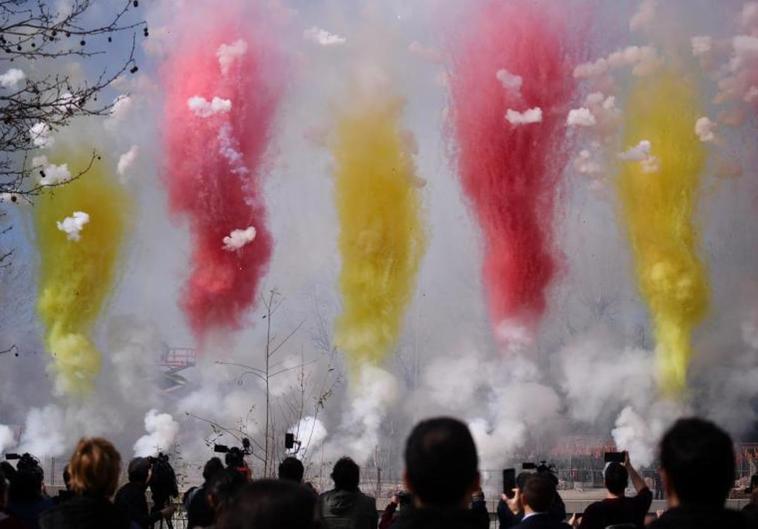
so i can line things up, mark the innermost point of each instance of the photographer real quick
(617, 508)
(510, 511)
(131, 497)
(199, 511)
(398, 506)
(26, 498)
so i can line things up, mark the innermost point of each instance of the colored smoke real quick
(658, 210)
(381, 237)
(223, 91)
(510, 171)
(76, 276)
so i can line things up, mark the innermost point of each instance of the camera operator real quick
(617, 508)
(131, 497)
(199, 510)
(235, 460)
(26, 497)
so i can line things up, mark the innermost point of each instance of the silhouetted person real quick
(199, 510)
(95, 467)
(291, 469)
(66, 493)
(270, 504)
(223, 488)
(132, 499)
(345, 506)
(7, 521)
(697, 470)
(442, 473)
(26, 497)
(537, 498)
(616, 508)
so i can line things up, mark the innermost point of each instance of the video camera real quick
(235, 456)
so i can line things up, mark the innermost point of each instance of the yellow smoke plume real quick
(382, 237)
(76, 276)
(658, 208)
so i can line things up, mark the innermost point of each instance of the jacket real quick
(697, 517)
(431, 518)
(131, 499)
(84, 512)
(342, 509)
(28, 512)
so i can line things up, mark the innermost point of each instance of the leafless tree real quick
(37, 39)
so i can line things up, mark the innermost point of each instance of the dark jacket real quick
(429, 518)
(615, 511)
(84, 512)
(9, 522)
(341, 509)
(700, 518)
(28, 512)
(541, 521)
(131, 499)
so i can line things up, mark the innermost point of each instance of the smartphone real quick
(509, 482)
(615, 457)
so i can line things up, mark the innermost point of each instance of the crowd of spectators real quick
(442, 490)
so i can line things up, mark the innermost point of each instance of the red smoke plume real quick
(510, 172)
(215, 163)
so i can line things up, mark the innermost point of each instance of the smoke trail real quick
(76, 275)
(381, 233)
(657, 208)
(510, 167)
(215, 155)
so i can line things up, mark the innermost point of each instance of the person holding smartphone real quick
(617, 508)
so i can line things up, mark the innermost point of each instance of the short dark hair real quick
(270, 504)
(539, 493)
(224, 487)
(139, 470)
(441, 462)
(346, 474)
(616, 478)
(212, 466)
(698, 458)
(521, 480)
(291, 469)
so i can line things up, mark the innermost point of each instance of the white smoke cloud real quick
(745, 50)
(322, 37)
(228, 53)
(54, 175)
(40, 134)
(311, 433)
(704, 128)
(122, 105)
(229, 149)
(11, 78)
(638, 153)
(580, 117)
(239, 238)
(43, 434)
(532, 115)
(7, 438)
(643, 60)
(508, 80)
(72, 226)
(639, 432)
(126, 160)
(203, 108)
(161, 434)
(370, 399)
(644, 15)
